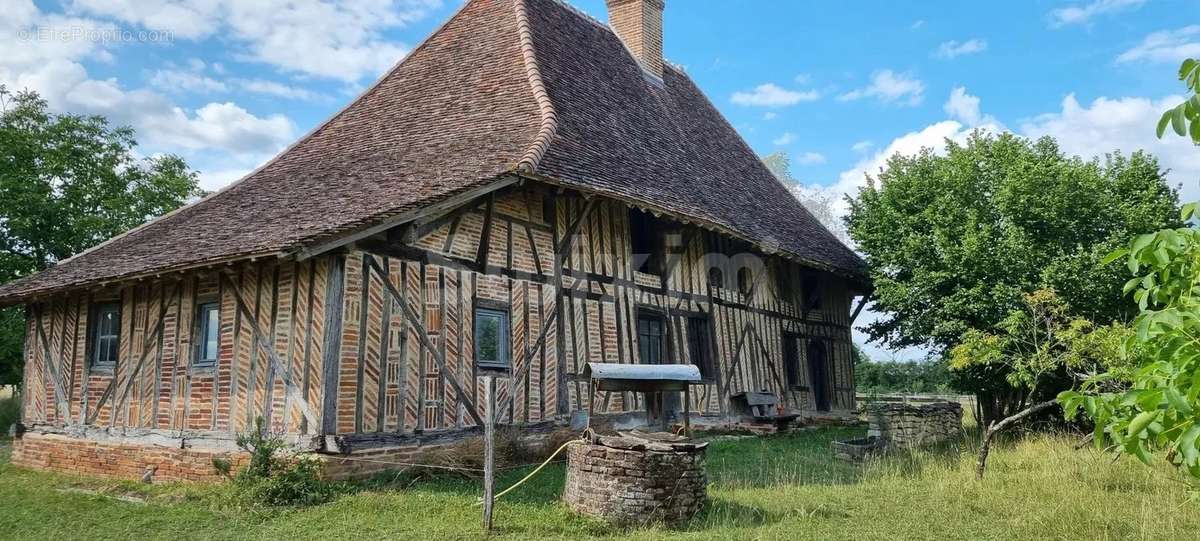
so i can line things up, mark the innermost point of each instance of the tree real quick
(954, 241)
(817, 200)
(1038, 346)
(68, 182)
(1185, 117)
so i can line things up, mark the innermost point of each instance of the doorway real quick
(818, 370)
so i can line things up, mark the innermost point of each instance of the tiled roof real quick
(466, 107)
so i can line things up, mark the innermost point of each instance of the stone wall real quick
(632, 487)
(914, 425)
(55, 452)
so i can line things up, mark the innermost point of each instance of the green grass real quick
(783, 487)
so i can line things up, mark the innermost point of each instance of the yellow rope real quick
(532, 473)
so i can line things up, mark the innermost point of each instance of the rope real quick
(532, 473)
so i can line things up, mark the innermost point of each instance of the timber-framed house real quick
(527, 191)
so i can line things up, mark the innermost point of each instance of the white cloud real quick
(1125, 123)
(50, 65)
(213, 180)
(342, 41)
(889, 87)
(862, 146)
(786, 139)
(1082, 14)
(952, 48)
(917, 24)
(770, 115)
(1166, 46)
(188, 81)
(772, 95)
(810, 158)
(272, 88)
(963, 107)
(802, 79)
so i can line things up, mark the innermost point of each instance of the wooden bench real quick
(763, 407)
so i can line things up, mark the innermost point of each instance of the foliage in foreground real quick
(275, 478)
(1184, 118)
(1161, 410)
(955, 240)
(67, 183)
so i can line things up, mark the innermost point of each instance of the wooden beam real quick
(427, 210)
(861, 303)
(332, 345)
(737, 356)
(485, 238)
(50, 363)
(423, 336)
(277, 365)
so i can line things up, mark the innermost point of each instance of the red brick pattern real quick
(121, 461)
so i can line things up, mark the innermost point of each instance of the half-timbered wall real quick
(412, 369)
(378, 338)
(272, 323)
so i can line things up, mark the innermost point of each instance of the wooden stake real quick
(489, 449)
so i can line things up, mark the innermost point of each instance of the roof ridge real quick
(549, 124)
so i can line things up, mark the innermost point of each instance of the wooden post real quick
(687, 410)
(489, 449)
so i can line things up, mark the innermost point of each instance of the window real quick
(105, 329)
(491, 338)
(791, 360)
(208, 331)
(785, 282)
(646, 242)
(716, 279)
(651, 344)
(812, 293)
(745, 280)
(700, 346)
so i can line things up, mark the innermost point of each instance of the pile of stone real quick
(908, 426)
(636, 478)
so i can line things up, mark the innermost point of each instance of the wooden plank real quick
(489, 449)
(423, 336)
(485, 238)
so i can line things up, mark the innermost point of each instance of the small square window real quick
(208, 332)
(491, 338)
(105, 329)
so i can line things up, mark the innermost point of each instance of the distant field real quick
(780, 487)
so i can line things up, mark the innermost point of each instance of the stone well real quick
(636, 478)
(907, 425)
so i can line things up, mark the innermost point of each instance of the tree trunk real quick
(996, 428)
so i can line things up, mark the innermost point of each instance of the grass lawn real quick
(782, 487)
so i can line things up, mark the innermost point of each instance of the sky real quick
(838, 86)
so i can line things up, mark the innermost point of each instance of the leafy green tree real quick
(68, 182)
(954, 241)
(1185, 117)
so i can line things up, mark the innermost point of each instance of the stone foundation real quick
(53, 452)
(632, 486)
(124, 460)
(909, 426)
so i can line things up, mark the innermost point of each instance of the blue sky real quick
(838, 86)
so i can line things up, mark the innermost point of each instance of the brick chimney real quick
(639, 24)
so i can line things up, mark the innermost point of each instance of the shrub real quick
(275, 478)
